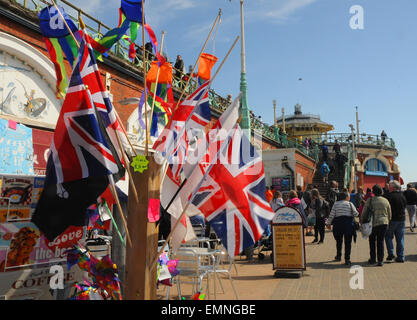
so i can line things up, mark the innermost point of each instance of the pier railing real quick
(346, 138)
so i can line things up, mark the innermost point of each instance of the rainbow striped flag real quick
(59, 42)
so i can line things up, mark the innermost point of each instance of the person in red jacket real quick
(269, 194)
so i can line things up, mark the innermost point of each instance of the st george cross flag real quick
(172, 144)
(82, 158)
(232, 195)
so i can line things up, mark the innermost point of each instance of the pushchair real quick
(264, 244)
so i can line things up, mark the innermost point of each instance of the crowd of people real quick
(344, 213)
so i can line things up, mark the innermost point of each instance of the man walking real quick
(359, 197)
(325, 170)
(396, 226)
(411, 196)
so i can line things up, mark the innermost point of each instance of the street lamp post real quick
(354, 156)
(274, 103)
(357, 124)
(244, 111)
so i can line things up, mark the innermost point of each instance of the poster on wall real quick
(19, 196)
(281, 183)
(23, 245)
(42, 140)
(16, 148)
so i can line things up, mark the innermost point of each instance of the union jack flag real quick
(79, 148)
(82, 154)
(232, 194)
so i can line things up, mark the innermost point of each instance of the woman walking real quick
(379, 210)
(321, 209)
(342, 218)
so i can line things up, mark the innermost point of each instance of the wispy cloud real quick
(276, 11)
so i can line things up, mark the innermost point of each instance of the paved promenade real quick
(325, 279)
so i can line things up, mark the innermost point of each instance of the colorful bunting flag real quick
(59, 41)
(163, 93)
(131, 10)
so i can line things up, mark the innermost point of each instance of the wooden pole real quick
(140, 278)
(116, 197)
(157, 78)
(198, 58)
(144, 79)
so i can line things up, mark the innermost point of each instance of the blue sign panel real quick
(16, 149)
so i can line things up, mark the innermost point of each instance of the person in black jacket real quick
(179, 66)
(321, 210)
(411, 196)
(307, 199)
(397, 224)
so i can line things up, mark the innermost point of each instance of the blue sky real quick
(374, 68)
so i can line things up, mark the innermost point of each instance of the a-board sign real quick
(288, 240)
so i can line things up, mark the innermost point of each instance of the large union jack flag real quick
(80, 148)
(82, 156)
(232, 194)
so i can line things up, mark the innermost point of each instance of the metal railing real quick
(346, 138)
(348, 166)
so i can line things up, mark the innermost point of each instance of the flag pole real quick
(144, 80)
(111, 185)
(122, 150)
(82, 24)
(116, 197)
(212, 79)
(156, 84)
(115, 224)
(198, 58)
(66, 24)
